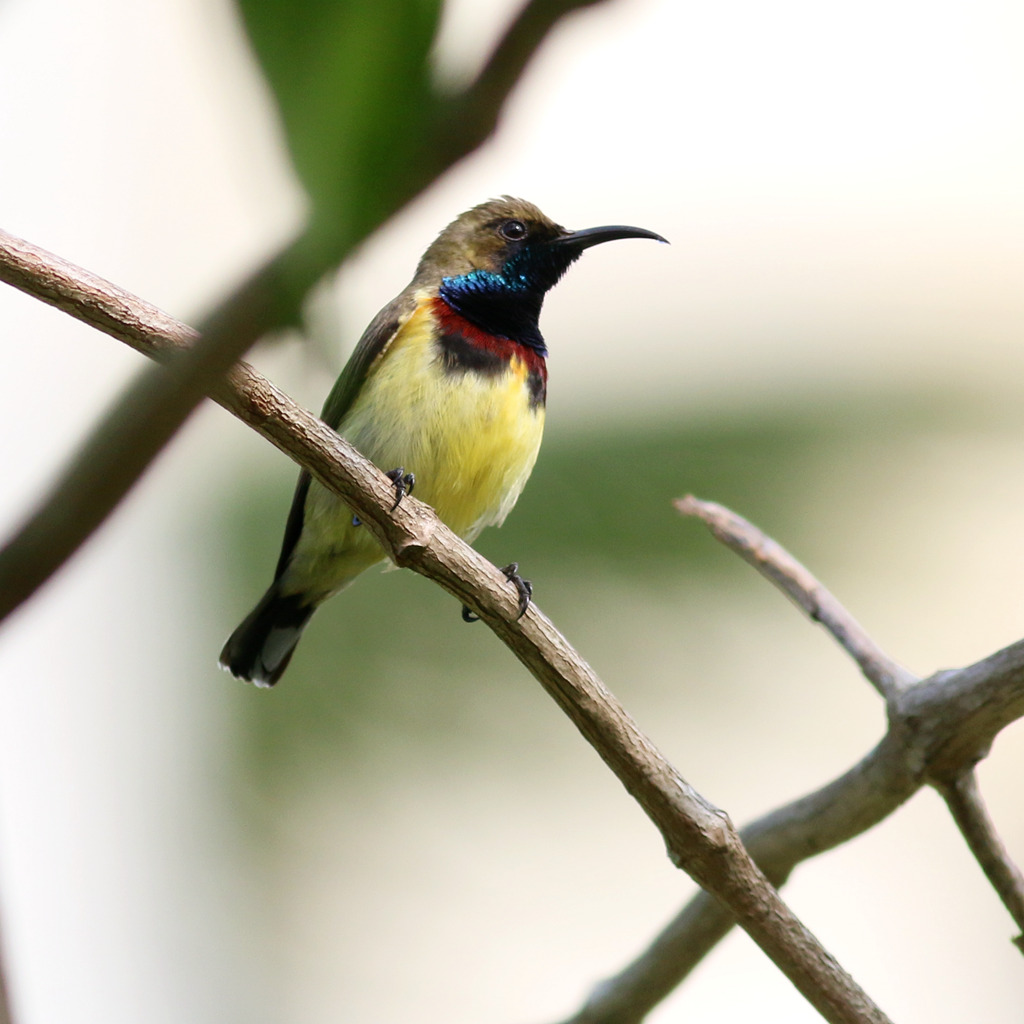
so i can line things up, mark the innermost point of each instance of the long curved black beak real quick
(580, 240)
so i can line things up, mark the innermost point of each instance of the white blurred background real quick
(842, 188)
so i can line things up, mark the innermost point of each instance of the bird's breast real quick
(461, 409)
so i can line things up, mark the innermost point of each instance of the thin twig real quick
(473, 107)
(699, 837)
(963, 798)
(793, 579)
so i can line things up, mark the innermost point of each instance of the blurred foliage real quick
(352, 80)
(596, 520)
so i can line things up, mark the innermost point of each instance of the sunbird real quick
(445, 391)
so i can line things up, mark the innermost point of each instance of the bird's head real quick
(495, 263)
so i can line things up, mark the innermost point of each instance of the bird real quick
(446, 392)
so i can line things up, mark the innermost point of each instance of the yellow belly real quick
(470, 439)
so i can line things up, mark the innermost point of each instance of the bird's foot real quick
(524, 588)
(404, 483)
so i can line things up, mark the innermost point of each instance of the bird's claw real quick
(404, 483)
(524, 588)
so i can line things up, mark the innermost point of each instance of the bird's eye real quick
(513, 230)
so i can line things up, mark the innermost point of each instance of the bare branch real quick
(88, 297)
(796, 582)
(963, 798)
(135, 429)
(937, 729)
(700, 838)
(472, 111)
(778, 842)
(981, 700)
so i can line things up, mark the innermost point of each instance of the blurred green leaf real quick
(352, 79)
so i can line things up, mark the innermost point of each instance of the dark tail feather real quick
(260, 649)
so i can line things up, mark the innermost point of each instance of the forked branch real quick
(938, 729)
